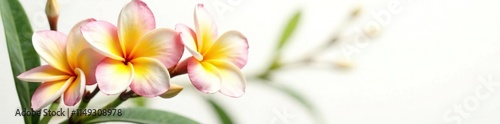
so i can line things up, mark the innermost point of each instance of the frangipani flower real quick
(216, 62)
(71, 66)
(138, 55)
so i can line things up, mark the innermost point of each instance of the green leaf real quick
(289, 29)
(22, 55)
(24, 33)
(143, 116)
(299, 98)
(140, 101)
(224, 118)
(294, 94)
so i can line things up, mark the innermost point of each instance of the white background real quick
(428, 60)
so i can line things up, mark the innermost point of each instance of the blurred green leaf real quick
(140, 101)
(285, 36)
(22, 55)
(289, 29)
(143, 116)
(299, 98)
(294, 94)
(224, 118)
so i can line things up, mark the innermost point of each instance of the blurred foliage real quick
(53, 107)
(298, 97)
(140, 102)
(287, 33)
(276, 63)
(224, 118)
(143, 116)
(22, 55)
(289, 29)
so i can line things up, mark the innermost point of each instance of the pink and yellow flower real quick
(216, 61)
(71, 66)
(137, 54)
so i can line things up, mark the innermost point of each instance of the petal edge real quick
(188, 38)
(151, 78)
(233, 81)
(103, 38)
(45, 73)
(74, 92)
(51, 46)
(114, 76)
(232, 46)
(47, 92)
(134, 21)
(161, 44)
(204, 76)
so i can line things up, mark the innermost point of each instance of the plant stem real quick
(179, 69)
(308, 58)
(275, 64)
(87, 97)
(53, 107)
(115, 103)
(85, 101)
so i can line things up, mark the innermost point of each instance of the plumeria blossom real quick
(71, 65)
(216, 61)
(137, 54)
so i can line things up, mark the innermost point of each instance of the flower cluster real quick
(136, 55)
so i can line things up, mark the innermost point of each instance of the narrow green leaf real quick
(294, 94)
(299, 98)
(24, 33)
(15, 56)
(224, 118)
(143, 116)
(289, 29)
(22, 56)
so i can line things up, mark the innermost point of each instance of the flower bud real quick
(52, 12)
(172, 91)
(344, 64)
(356, 11)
